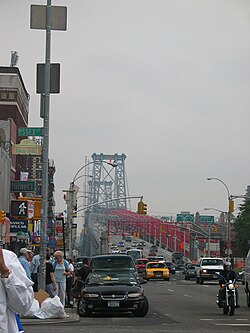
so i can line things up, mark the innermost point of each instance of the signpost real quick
(21, 186)
(185, 218)
(27, 147)
(207, 219)
(18, 225)
(30, 131)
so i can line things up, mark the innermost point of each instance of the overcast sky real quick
(164, 81)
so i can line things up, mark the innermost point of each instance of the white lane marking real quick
(206, 319)
(170, 290)
(205, 286)
(167, 314)
(242, 319)
(187, 295)
(232, 324)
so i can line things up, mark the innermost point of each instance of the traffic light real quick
(231, 206)
(2, 216)
(19, 208)
(142, 208)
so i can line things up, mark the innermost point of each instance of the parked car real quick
(112, 291)
(190, 272)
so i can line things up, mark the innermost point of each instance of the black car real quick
(112, 291)
(171, 267)
(190, 272)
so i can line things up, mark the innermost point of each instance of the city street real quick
(175, 306)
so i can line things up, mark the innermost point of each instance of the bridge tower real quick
(108, 181)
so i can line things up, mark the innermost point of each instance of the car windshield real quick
(212, 262)
(114, 263)
(141, 262)
(156, 265)
(111, 278)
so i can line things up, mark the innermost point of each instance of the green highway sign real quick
(22, 186)
(207, 219)
(185, 218)
(30, 131)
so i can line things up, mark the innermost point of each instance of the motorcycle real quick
(228, 303)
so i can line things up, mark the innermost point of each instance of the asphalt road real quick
(175, 306)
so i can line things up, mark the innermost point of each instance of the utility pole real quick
(41, 18)
(45, 153)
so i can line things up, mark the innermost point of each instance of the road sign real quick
(17, 225)
(58, 17)
(30, 131)
(54, 78)
(20, 186)
(185, 218)
(207, 219)
(27, 147)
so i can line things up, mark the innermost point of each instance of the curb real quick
(36, 321)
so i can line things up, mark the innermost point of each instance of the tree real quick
(242, 228)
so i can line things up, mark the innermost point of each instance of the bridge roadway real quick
(177, 306)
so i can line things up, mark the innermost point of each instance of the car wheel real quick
(80, 307)
(197, 280)
(185, 277)
(188, 278)
(143, 310)
(248, 298)
(201, 280)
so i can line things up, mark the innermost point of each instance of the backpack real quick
(64, 262)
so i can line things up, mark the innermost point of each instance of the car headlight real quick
(204, 271)
(134, 295)
(230, 286)
(90, 295)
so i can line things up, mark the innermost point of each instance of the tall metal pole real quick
(209, 238)
(45, 155)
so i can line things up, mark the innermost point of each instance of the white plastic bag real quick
(33, 310)
(51, 308)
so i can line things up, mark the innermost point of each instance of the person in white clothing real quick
(16, 292)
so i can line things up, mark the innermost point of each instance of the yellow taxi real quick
(157, 270)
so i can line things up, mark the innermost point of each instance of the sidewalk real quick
(72, 318)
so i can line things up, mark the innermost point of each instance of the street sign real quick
(207, 219)
(21, 186)
(58, 17)
(185, 218)
(17, 225)
(54, 78)
(27, 147)
(30, 131)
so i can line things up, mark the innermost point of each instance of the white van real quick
(135, 253)
(247, 278)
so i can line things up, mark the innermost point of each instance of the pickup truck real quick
(247, 278)
(207, 269)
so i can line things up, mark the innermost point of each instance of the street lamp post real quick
(228, 215)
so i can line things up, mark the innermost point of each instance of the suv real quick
(247, 278)
(112, 262)
(207, 269)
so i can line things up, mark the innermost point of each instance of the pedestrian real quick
(51, 286)
(69, 282)
(16, 292)
(61, 268)
(34, 270)
(23, 258)
(85, 270)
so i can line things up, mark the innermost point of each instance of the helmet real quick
(227, 266)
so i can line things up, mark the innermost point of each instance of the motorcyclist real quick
(226, 275)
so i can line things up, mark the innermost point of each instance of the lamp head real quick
(209, 178)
